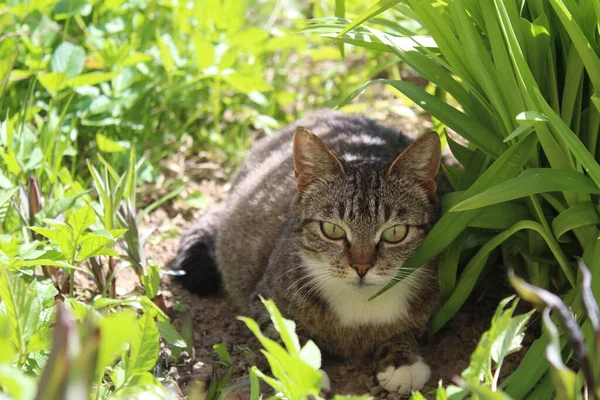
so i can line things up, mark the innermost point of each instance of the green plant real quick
(56, 349)
(296, 370)
(518, 81)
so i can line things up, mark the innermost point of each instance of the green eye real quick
(332, 231)
(395, 234)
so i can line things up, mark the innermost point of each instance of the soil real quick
(214, 322)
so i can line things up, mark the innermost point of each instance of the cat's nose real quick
(361, 269)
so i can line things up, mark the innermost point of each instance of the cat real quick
(320, 216)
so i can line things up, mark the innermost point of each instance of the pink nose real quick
(361, 269)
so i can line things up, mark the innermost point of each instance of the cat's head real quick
(357, 224)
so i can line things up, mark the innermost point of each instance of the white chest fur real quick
(352, 307)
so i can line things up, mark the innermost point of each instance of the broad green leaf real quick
(144, 346)
(170, 334)
(22, 307)
(62, 235)
(531, 181)
(53, 82)
(94, 244)
(68, 59)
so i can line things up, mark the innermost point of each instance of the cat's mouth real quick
(362, 283)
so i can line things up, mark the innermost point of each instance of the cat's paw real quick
(406, 378)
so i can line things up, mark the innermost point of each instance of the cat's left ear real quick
(313, 161)
(422, 158)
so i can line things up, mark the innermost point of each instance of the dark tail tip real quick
(202, 275)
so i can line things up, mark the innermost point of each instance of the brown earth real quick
(214, 322)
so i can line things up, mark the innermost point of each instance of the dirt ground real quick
(447, 352)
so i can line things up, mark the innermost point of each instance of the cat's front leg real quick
(400, 368)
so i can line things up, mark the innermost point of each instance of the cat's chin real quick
(361, 285)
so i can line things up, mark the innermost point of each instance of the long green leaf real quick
(468, 128)
(530, 182)
(574, 217)
(374, 10)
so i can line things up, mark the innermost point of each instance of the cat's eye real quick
(332, 231)
(395, 234)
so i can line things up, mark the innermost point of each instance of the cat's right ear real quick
(313, 160)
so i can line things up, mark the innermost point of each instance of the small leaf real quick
(224, 355)
(107, 145)
(170, 334)
(151, 280)
(82, 219)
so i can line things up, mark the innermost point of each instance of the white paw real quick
(326, 384)
(405, 379)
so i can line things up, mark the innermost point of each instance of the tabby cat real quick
(320, 216)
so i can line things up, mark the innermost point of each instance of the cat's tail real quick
(196, 255)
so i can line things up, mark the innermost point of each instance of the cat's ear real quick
(312, 159)
(422, 158)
